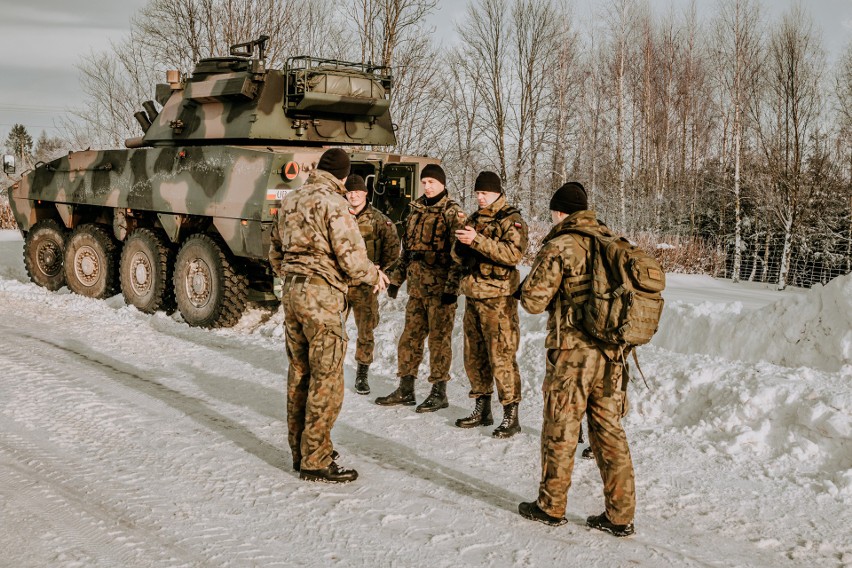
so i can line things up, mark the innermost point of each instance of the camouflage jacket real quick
(488, 263)
(561, 268)
(426, 261)
(380, 236)
(316, 235)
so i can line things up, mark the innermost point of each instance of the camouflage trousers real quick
(427, 317)
(576, 382)
(491, 337)
(314, 313)
(365, 305)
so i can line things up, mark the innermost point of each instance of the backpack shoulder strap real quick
(506, 211)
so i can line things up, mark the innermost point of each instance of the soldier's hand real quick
(466, 235)
(517, 294)
(448, 299)
(382, 284)
(393, 291)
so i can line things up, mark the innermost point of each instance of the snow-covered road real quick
(135, 440)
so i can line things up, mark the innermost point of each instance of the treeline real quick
(725, 128)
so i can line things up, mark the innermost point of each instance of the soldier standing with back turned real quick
(489, 248)
(317, 250)
(433, 280)
(382, 244)
(582, 375)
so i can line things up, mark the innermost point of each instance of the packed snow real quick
(129, 439)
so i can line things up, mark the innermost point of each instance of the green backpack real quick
(625, 302)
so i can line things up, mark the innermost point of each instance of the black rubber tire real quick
(44, 253)
(208, 290)
(91, 262)
(146, 271)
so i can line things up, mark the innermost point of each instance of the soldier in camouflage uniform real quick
(582, 376)
(317, 250)
(382, 243)
(433, 279)
(488, 248)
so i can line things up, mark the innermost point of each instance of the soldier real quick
(317, 250)
(382, 243)
(489, 247)
(581, 376)
(433, 279)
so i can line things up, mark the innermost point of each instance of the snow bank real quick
(794, 424)
(812, 329)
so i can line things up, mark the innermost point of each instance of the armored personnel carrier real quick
(180, 219)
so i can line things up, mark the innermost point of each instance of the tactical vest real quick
(370, 233)
(427, 236)
(574, 290)
(476, 262)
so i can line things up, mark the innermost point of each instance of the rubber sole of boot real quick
(534, 513)
(461, 424)
(423, 408)
(395, 403)
(310, 476)
(503, 434)
(362, 390)
(601, 523)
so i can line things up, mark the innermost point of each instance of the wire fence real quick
(691, 255)
(807, 267)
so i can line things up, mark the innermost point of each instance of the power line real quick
(32, 108)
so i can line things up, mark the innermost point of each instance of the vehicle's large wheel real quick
(208, 290)
(145, 271)
(90, 262)
(44, 251)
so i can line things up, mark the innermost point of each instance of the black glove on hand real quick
(392, 291)
(448, 299)
(517, 294)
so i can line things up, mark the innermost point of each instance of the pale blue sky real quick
(42, 40)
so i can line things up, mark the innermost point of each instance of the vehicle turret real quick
(237, 100)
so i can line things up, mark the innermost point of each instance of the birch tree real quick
(738, 44)
(795, 67)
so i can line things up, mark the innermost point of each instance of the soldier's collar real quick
(324, 176)
(437, 200)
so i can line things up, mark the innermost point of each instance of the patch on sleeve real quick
(388, 223)
(352, 211)
(461, 214)
(518, 225)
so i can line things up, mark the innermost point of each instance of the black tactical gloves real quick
(517, 294)
(447, 298)
(392, 291)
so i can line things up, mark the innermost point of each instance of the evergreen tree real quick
(20, 143)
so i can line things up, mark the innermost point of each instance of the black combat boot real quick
(509, 427)
(481, 415)
(404, 394)
(331, 474)
(436, 400)
(361, 384)
(602, 523)
(533, 511)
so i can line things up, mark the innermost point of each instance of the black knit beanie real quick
(488, 181)
(570, 198)
(355, 183)
(336, 162)
(434, 171)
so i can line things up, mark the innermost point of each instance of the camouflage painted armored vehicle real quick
(181, 218)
